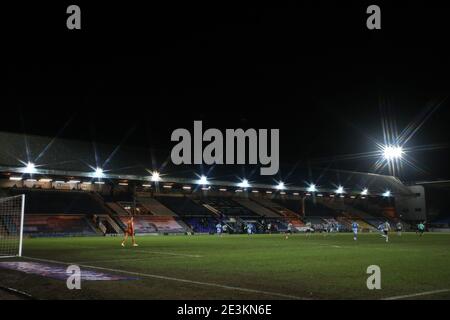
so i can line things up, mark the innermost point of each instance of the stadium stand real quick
(155, 207)
(153, 224)
(116, 208)
(58, 225)
(39, 201)
(183, 206)
(202, 225)
(293, 205)
(316, 209)
(256, 207)
(228, 207)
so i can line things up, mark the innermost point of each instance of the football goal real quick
(11, 226)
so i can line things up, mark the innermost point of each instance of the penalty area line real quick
(425, 293)
(155, 276)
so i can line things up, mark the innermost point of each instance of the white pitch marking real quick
(426, 293)
(209, 284)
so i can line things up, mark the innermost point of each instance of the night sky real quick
(312, 69)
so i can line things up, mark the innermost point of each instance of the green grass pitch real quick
(244, 267)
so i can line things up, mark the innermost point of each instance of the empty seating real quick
(57, 225)
(228, 207)
(183, 206)
(59, 202)
(202, 225)
(153, 224)
(255, 207)
(155, 207)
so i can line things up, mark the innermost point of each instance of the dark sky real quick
(311, 69)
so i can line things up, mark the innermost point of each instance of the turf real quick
(244, 267)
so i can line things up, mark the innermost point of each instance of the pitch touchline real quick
(416, 294)
(155, 276)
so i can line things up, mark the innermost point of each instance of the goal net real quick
(11, 226)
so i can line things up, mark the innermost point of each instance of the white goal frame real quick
(22, 218)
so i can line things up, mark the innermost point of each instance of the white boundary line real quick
(155, 276)
(426, 293)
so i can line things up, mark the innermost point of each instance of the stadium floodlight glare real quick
(280, 186)
(387, 193)
(365, 192)
(45, 180)
(392, 152)
(222, 189)
(203, 180)
(15, 178)
(340, 190)
(30, 168)
(98, 172)
(312, 188)
(244, 184)
(147, 185)
(155, 176)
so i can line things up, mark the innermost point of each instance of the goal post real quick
(12, 213)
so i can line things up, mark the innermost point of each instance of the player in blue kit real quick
(219, 229)
(249, 228)
(355, 227)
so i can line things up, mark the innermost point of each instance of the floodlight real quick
(98, 172)
(244, 184)
(203, 180)
(155, 176)
(280, 186)
(340, 190)
(30, 168)
(387, 193)
(365, 192)
(15, 178)
(312, 188)
(392, 152)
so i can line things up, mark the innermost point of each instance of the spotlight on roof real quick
(387, 193)
(30, 168)
(280, 186)
(244, 184)
(203, 180)
(365, 192)
(98, 172)
(155, 176)
(312, 188)
(340, 190)
(392, 152)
